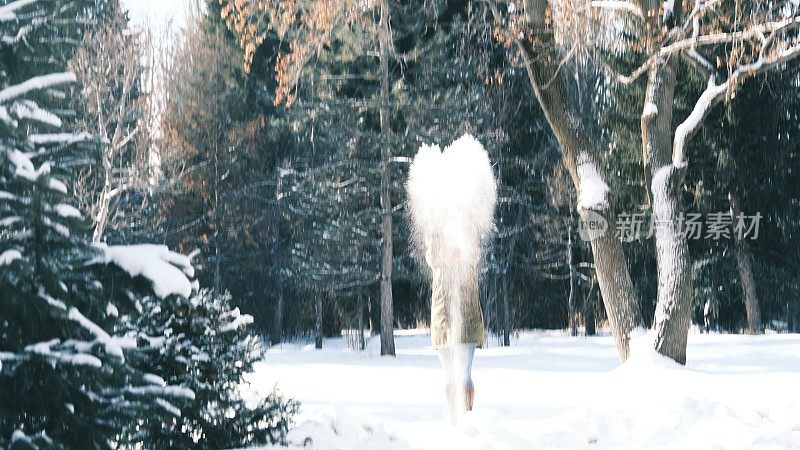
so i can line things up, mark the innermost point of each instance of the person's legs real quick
(457, 364)
(446, 359)
(469, 386)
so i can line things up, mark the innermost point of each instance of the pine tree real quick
(202, 343)
(65, 380)
(220, 156)
(80, 360)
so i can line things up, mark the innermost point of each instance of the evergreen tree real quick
(66, 380)
(202, 343)
(220, 159)
(71, 372)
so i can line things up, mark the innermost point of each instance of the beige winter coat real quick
(471, 314)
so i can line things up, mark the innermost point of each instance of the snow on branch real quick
(57, 185)
(8, 12)
(692, 55)
(168, 407)
(650, 110)
(710, 97)
(35, 84)
(668, 16)
(60, 138)
(25, 169)
(67, 211)
(23, 165)
(168, 271)
(593, 190)
(619, 5)
(9, 256)
(46, 350)
(239, 320)
(714, 93)
(179, 392)
(113, 345)
(30, 110)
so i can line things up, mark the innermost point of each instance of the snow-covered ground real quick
(546, 391)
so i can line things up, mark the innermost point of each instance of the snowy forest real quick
(210, 232)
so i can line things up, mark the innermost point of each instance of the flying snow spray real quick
(452, 196)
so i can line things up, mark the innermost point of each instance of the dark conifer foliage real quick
(202, 343)
(97, 348)
(66, 379)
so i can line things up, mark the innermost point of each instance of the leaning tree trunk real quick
(387, 313)
(622, 307)
(744, 262)
(674, 299)
(550, 87)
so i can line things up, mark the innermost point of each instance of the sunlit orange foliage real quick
(308, 26)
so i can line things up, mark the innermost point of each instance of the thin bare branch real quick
(618, 5)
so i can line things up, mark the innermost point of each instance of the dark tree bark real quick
(506, 315)
(744, 262)
(493, 318)
(276, 336)
(665, 170)
(370, 316)
(317, 320)
(387, 313)
(217, 223)
(590, 327)
(674, 301)
(360, 312)
(550, 87)
(572, 310)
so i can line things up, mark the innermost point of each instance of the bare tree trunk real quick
(217, 264)
(277, 324)
(114, 107)
(317, 320)
(492, 318)
(104, 207)
(109, 192)
(674, 300)
(588, 312)
(744, 262)
(370, 317)
(572, 311)
(506, 314)
(360, 312)
(622, 307)
(217, 224)
(542, 64)
(387, 313)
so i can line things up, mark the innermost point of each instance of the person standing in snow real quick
(454, 298)
(452, 196)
